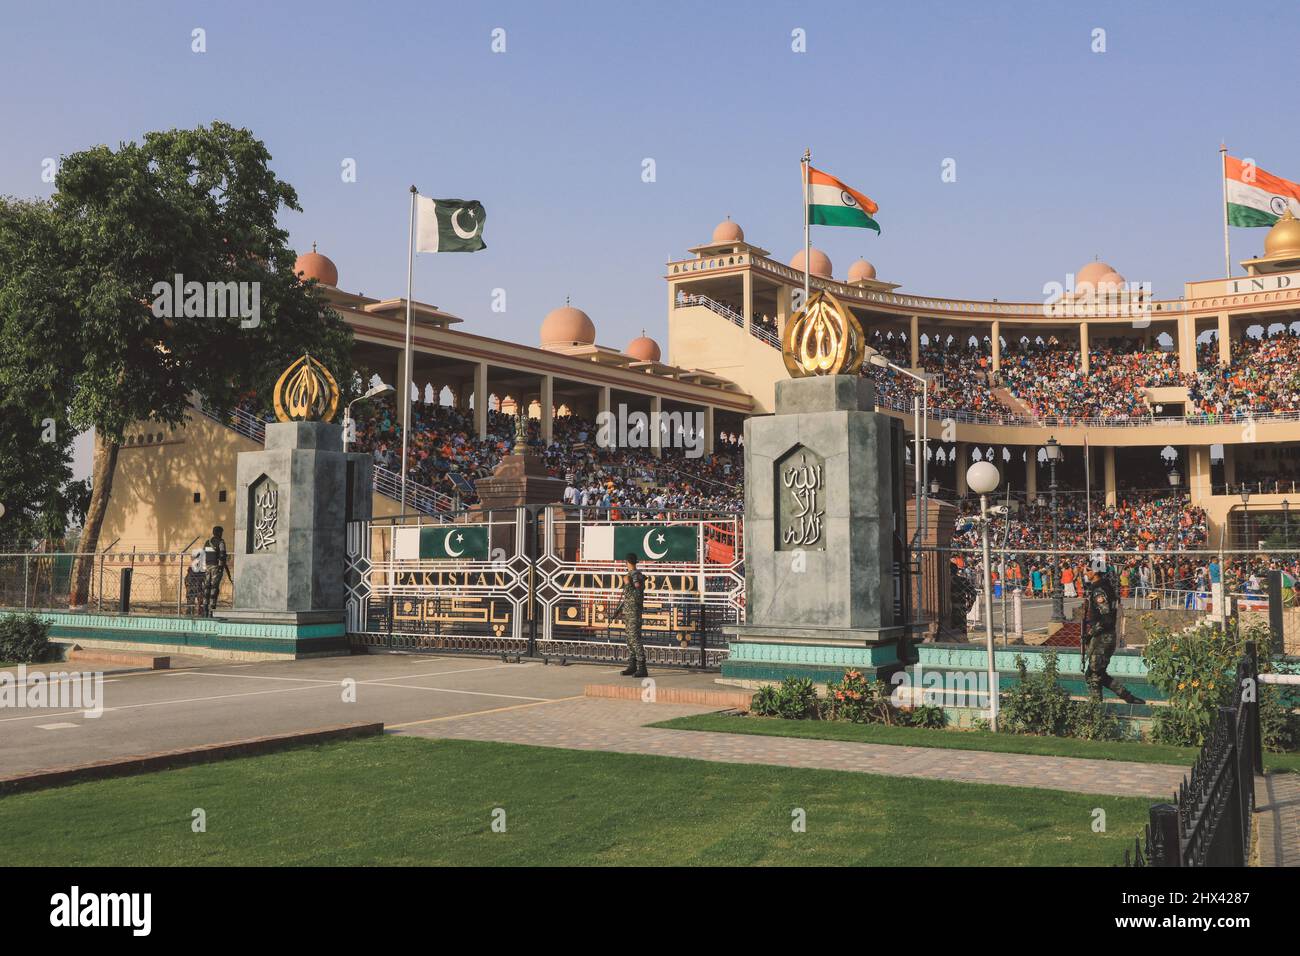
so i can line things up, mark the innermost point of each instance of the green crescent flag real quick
(449, 225)
(454, 543)
(656, 542)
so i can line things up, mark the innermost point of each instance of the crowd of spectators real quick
(1047, 377)
(1263, 377)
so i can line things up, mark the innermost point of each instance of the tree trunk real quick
(105, 464)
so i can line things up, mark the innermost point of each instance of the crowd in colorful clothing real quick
(1262, 378)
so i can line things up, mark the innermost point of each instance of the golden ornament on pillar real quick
(823, 338)
(306, 392)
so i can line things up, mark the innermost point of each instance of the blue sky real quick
(1061, 153)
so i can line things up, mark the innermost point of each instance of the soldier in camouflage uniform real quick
(629, 608)
(1102, 608)
(217, 561)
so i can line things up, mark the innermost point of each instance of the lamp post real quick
(1053, 450)
(1245, 516)
(921, 445)
(982, 478)
(374, 390)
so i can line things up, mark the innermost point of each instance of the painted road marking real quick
(64, 726)
(480, 713)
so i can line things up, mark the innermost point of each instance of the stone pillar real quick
(1199, 474)
(995, 339)
(1109, 458)
(547, 401)
(481, 399)
(783, 307)
(1085, 362)
(401, 384)
(294, 499)
(709, 442)
(823, 547)
(963, 462)
(1186, 342)
(1225, 342)
(1031, 473)
(602, 402)
(747, 297)
(656, 436)
(1229, 465)
(914, 340)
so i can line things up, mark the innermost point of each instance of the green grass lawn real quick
(1134, 751)
(411, 801)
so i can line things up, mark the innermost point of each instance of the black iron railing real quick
(1209, 822)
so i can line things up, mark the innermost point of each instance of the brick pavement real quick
(617, 725)
(1277, 819)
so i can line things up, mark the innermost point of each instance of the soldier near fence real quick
(630, 606)
(216, 561)
(1101, 608)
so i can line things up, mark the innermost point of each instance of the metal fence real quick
(130, 582)
(1209, 822)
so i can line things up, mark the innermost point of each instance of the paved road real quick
(147, 712)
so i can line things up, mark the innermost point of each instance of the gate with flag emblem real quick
(544, 582)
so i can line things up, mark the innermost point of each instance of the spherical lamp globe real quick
(982, 477)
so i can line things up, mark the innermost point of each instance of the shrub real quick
(797, 699)
(1037, 704)
(855, 698)
(1090, 720)
(24, 639)
(764, 702)
(925, 715)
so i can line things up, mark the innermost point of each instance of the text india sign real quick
(800, 501)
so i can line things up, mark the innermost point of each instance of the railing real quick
(728, 313)
(1209, 822)
(156, 582)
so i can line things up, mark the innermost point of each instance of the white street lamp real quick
(380, 389)
(982, 478)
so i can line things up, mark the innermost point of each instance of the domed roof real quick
(862, 269)
(1091, 274)
(821, 263)
(568, 326)
(1284, 238)
(643, 348)
(313, 265)
(728, 231)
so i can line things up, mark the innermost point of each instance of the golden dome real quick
(728, 231)
(821, 263)
(862, 269)
(643, 348)
(1283, 240)
(568, 326)
(313, 265)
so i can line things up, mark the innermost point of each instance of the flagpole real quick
(1227, 256)
(807, 239)
(405, 396)
(1087, 484)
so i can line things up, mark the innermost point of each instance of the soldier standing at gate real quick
(629, 608)
(216, 561)
(1100, 611)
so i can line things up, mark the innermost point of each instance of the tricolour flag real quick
(441, 543)
(449, 225)
(1257, 198)
(651, 542)
(832, 203)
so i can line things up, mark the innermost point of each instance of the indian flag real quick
(832, 203)
(1257, 198)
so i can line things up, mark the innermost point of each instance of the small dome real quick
(1111, 281)
(1091, 274)
(568, 326)
(728, 231)
(821, 263)
(862, 269)
(313, 265)
(643, 348)
(1284, 238)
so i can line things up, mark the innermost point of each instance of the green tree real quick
(202, 204)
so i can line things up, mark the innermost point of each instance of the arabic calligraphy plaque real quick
(801, 501)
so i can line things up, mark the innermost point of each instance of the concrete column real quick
(747, 297)
(1225, 343)
(1186, 342)
(481, 399)
(401, 386)
(914, 340)
(656, 443)
(548, 408)
(783, 307)
(963, 462)
(708, 430)
(1111, 496)
(995, 340)
(1198, 474)
(1230, 464)
(1084, 363)
(1031, 472)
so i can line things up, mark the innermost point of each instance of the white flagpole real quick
(807, 239)
(405, 392)
(1087, 484)
(1227, 256)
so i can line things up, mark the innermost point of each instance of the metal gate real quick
(521, 584)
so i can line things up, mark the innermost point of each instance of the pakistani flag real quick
(449, 225)
(441, 543)
(649, 542)
(832, 203)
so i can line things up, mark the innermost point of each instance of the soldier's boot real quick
(640, 668)
(631, 666)
(1127, 695)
